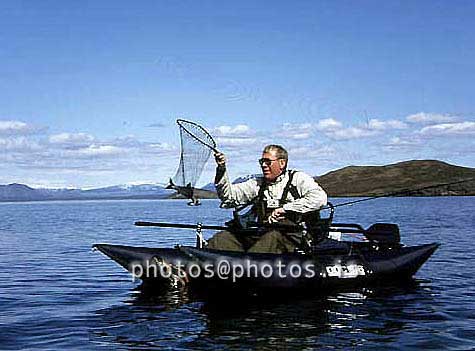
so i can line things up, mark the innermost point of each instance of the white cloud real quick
(17, 128)
(238, 130)
(296, 131)
(19, 144)
(128, 142)
(401, 141)
(448, 129)
(290, 126)
(334, 129)
(161, 146)
(350, 133)
(232, 137)
(328, 124)
(430, 118)
(66, 157)
(397, 142)
(100, 150)
(312, 151)
(158, 150)
(298, 136)
(376, 124)
(233, 142)
(71, 139)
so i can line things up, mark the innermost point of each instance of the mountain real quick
(348, 181)
(129, 191)
(376, 180)
(20, 192)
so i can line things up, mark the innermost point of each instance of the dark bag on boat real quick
(384, 233)
(316, 226)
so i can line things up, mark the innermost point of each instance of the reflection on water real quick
(177, 320)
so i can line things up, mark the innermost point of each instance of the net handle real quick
(212, 147)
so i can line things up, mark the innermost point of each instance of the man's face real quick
(272, 167)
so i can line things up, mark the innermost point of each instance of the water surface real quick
(55, 293)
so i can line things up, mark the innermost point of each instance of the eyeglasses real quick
(267, 161)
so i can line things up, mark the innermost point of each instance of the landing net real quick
(196, 148)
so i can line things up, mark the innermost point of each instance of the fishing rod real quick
(401, 192)
(180, 225)
(217, 227)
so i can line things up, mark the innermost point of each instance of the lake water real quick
(55, 293)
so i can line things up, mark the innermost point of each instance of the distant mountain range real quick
(20, 192)
(348, 181)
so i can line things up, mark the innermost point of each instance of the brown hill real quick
(376, 180)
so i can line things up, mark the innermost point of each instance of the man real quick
(280, 195)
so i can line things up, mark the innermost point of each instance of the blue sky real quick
(91, 89)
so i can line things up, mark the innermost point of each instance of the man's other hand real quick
(277, 215)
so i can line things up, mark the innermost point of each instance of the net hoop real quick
(197, 146)
(182, 123)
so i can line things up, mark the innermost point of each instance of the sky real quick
(91, 90)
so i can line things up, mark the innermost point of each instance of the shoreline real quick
(206, 199)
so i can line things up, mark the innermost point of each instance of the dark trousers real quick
(272, 241)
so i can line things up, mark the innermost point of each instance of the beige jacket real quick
(312, 196)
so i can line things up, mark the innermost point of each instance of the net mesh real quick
(196, 148)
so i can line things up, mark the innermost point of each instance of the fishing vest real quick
(263, 207)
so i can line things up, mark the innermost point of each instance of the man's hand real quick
(277, 215)
(220, 159)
